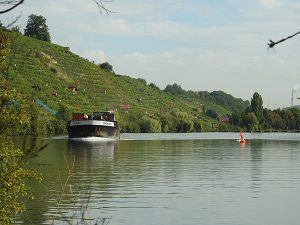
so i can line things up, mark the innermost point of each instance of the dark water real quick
(170, 179)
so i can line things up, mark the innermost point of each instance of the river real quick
(169, 179)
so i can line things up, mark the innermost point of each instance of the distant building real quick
(124, 107)
(224, 119)
(72, 87)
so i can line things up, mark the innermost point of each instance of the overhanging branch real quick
(272, 43)
(11, 7)
(101, 6)
(15, 3)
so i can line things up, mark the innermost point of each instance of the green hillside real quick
(44, 71)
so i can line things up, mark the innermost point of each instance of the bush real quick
(53, 70)
(149, 125)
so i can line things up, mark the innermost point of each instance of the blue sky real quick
(201, 45)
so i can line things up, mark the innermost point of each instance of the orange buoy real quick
(242, 140)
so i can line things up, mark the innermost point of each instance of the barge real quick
(97, 124)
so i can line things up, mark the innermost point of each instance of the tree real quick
(268, 119)
(13, 117)
(149, 125)
(277, 121)
(236, 119)
(13, 190)
(174, 89)
(154, 86)
(184, 123)
(166, 123)
(211, 113)
(61, 120)
(37, 28)
(256, 106)
(291, 117)
(107, 67)
(142, 81)
(197, 125)
(249, 121)
(16, 29)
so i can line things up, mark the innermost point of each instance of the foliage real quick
(36, 27)
(257, 106)
(250, 122)
(53, 70)
(228, 101)
(12, 160)
(61, 120)
(275, 121)
(217, 97)
(130, 122)
(34, 115)
(225, 127)
(150, 125)
(16, 29)
(142, 81)
(13, 116)
(183, 123)
(154, 86)
(166, 123)
(107, 67)
(257, 118)
(4, 51)
(236, 119)
(211, 113)
(197, 125)
(174, 89)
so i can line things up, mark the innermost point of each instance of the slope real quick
(56, 76)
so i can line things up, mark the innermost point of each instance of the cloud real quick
(181, 66)
(271, 3)
(98, 56)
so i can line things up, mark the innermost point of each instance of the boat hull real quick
(78, 131)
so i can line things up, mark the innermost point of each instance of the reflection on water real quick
(91, 151)
(169, 181)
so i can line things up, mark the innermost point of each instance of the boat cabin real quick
(104, 116)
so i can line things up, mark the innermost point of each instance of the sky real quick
(202, 45)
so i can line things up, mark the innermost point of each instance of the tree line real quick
(36, 27)
(256, 118)
(249, 116)
(218, 97)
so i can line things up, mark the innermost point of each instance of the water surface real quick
(170, 179)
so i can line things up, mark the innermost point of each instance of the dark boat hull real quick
(94, 131)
